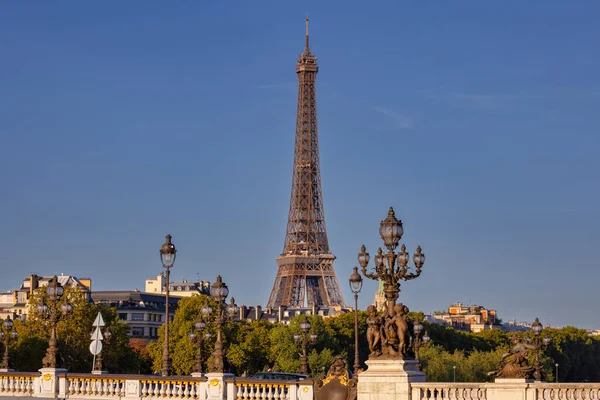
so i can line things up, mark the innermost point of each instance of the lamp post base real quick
(388, 379)
(98, 372)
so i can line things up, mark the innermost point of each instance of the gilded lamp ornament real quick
(389, 335)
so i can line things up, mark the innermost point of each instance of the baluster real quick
(144, 388)
(244, 391)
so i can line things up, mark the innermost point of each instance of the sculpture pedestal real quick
(388, 379)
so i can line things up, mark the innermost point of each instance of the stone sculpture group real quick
(389, 336)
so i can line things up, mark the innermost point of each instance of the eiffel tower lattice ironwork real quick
(306, 277)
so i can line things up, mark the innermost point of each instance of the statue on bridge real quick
(514, 363)
(389, 336)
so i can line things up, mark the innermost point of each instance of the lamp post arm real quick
(370, 275)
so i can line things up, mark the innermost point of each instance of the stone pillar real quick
(133, 389)
(388, 379)
(49, 382)
(508, 389)
(215, 386)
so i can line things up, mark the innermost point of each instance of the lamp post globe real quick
(168, 253)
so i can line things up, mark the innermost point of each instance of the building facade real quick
(184, 288)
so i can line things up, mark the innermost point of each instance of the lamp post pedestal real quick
(49, 383)
(387, 379)
(98, 372)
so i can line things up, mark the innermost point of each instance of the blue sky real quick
(477, 121)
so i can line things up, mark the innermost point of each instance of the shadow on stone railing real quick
(267, 389)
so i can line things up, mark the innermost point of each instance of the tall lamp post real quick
(303, 338)
(168, 253)
(197, 338)
(219, 292)
(54, 293)
(6, 335)
(556, 372)
(537, 328)
(356, 283)
(419, 341)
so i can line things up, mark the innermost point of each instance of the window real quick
(137, 316)
(137, 331)
(123, 316)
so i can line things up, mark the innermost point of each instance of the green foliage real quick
(73, 331)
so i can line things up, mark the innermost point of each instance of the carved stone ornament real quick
(337, 385)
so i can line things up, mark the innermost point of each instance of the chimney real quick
(280, 313)
(258, 310)
(314, 308)
(242, 312)
(34, 282)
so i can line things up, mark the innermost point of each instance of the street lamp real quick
(168, 253)
(391, 268)
(6, 335)
(537, 328)
(197, 338)
(303, 338)
(419, 341)
(356, 283)
(54, 292)
(556, 372)
(219, 292)
(454, 371)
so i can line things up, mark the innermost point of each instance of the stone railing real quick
(64, 385)
(214, 386)
(565, 391)
(505, 389)
(18, 384)
(448, 390)
(266, 389)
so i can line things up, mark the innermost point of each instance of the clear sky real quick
(478, 122)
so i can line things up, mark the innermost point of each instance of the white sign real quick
(95, 347)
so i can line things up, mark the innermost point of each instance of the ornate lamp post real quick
(54, 292)
(356, 283)
(197, 338)
(98, 366)
(537, 328)
(168, 253)
(219, 292)
(391, 268)
(303, 338)
(419, 341)
(6, 335)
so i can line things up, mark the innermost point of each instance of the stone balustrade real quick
(227, 387)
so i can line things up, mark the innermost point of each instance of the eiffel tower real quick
(306, 277)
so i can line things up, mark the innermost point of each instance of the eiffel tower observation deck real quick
(306, 276)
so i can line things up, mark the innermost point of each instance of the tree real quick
(73, 332)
